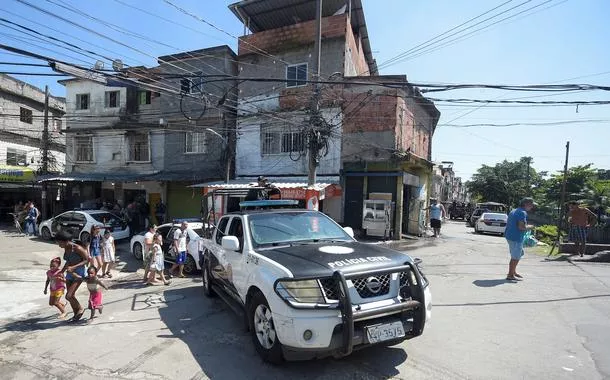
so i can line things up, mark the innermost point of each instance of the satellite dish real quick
(117, 65)
(99, 65)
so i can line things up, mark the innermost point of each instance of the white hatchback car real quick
(491, 222)
(195, 233)
(79, 222)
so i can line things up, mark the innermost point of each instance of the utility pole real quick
(562, 201)
(315, 118)
(45, 152)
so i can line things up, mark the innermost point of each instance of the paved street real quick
(553, 325)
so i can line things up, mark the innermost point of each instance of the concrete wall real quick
(110, 152)
(14, 133)
(33, 154)
(204, 111)
(251, 162)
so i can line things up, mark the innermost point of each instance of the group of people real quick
(82, 263)
(154, 259)
(136, 213)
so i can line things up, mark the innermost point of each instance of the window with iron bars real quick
(139, 147)
(276, 141)
(195, 142)
(83, 148)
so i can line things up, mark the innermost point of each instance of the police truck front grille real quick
(330, 289)
(404, 278)
(373, 286)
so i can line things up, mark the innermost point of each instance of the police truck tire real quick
(263, 331)
(207, 279)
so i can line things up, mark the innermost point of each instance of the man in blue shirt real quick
(516, 226)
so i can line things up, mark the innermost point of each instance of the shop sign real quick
(297, 193)
(15, 174)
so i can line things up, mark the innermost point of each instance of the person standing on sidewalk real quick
(437, 212)
(160, 210)
(180, 236)
(516, 227)
(31, 220)
(580, 219)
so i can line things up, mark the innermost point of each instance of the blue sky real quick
(555, 42)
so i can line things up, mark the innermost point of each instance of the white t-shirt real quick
(181, 237)
(148, 237)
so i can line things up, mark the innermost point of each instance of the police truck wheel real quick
(263, 331)
(207, 280)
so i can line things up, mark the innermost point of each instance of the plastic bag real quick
(529, 240)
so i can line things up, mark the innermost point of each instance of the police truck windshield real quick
(273, 229)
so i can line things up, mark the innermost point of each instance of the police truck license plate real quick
(385, 332)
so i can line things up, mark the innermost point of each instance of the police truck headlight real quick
(301, 292)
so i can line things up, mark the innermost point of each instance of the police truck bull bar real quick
(349, 316)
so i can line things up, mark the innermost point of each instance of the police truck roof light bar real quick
(269, 203)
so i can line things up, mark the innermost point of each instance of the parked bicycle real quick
(17, 223)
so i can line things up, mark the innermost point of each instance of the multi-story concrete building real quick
(21, 127)
(387, 143)
(273, 115)
(153, 134)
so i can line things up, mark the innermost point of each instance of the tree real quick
(505, 182)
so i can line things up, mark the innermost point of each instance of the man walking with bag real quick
(516, 227)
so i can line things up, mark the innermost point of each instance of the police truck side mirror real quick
(349, 231)
(230, 243)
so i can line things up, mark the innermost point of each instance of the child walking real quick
(95, 247)
(157, 262)
(56, 279)
(95, 293)
(108, 250)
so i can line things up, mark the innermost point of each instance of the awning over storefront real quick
(291, 187)
(16, 174)
(125, 177)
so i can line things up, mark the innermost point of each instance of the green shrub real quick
(546, 233)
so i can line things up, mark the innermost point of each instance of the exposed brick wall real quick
(355, 62)
(292, 99)
(385, 113)
(377, 114)
(292, 36)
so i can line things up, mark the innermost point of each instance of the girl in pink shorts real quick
(56, 279)
(95, 293)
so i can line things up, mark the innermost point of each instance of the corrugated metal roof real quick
(261, 15)
(281, 182)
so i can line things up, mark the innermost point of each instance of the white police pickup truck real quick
(306, 288)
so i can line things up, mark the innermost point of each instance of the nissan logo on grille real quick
(373, 285)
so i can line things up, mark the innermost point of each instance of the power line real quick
(395, 58)
(429, 47)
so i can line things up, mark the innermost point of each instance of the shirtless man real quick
(580, 219)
